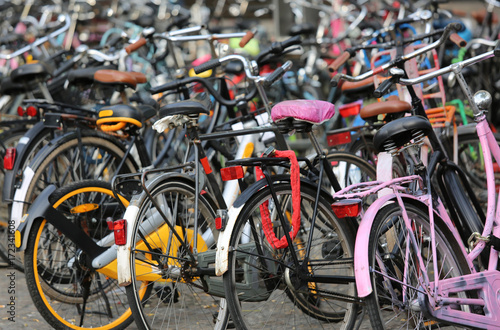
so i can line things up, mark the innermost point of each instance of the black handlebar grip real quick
(290, 42)
(496, 51)
(274, 76)
(207, 66)
(383, 88)
(166, 87)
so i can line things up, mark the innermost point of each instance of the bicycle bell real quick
(482, 99)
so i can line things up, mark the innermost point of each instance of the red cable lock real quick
(264, 208)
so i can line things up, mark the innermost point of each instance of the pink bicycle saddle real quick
(312, 111)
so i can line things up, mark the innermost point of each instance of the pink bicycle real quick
(411, 266)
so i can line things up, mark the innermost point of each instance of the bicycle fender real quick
(16, 213)
(42, 209)
(130, 216)
(60, 140)
(361, 263)
(21, 149)
(222, 250)
(41, 205)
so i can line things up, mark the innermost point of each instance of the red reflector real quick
(218, 223)
(351, 109)
(31, 111)
(110, 223)
(232, 173)
(496, 168)
(120, 230)
(347, 208)
(20, 111)
(9, 158)
(338, 138)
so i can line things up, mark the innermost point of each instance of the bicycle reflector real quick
(232, 173)
(9, 158)
(345, 208)
(350, 109)
(120, 231)
(338, 138)
(31, 111)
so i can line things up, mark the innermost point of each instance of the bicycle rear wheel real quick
(66, 292)
(263, 286)
(395, 260)
(183, 297)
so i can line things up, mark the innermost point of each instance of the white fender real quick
(123, 251)
(223, 241)
(20, 197)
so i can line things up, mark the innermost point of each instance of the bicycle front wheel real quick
(395, 260)
(266, 287)
(67, 293)
(176, 267)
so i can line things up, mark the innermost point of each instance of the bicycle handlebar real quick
(248, 36)
(216, 62)
(278, 47)
(450, 28)
(452, 67)
(277, 74)
(67, 23)
(136, 45)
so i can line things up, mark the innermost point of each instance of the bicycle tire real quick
(180, 299)
(387, 310)
(258, 297)
(54, 274)
(354, 170)
(99, 149)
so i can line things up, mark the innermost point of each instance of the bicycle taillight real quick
(232, 173)
(345, 208)
(120, 231)
(9, 159)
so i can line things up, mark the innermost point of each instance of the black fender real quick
(154, 182)
(261, 184)
(55, 143)
(255, 187)
(42, 209)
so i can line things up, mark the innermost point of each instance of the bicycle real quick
(193, 269)
(412, 267)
